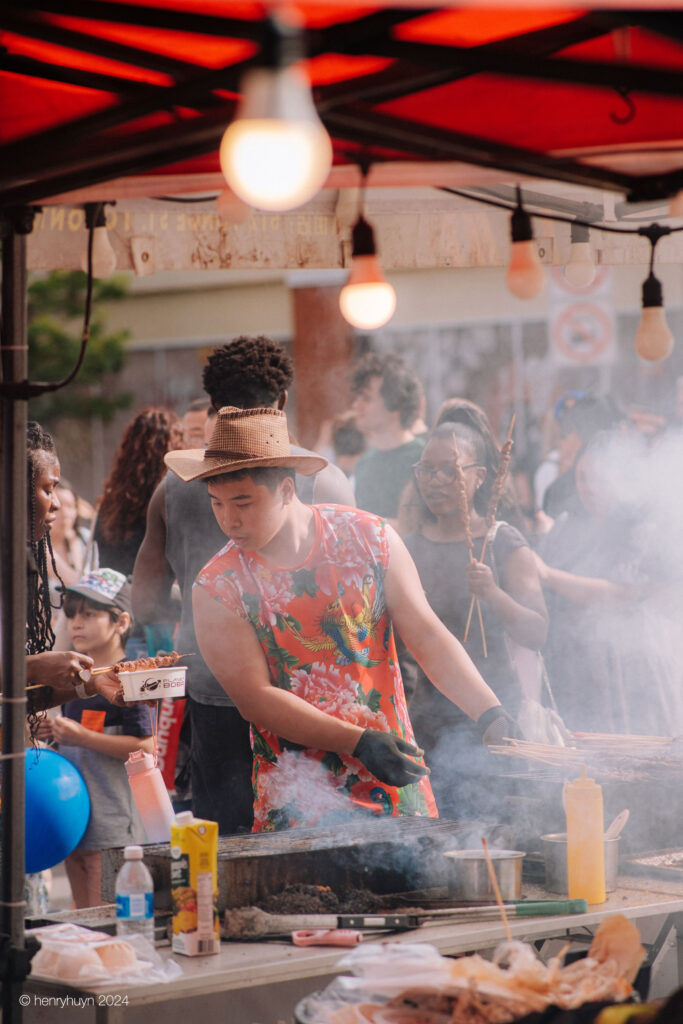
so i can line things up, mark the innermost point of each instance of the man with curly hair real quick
(181, 536)
(387, 401)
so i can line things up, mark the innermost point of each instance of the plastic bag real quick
(72, 954)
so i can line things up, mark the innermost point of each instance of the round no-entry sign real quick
(583, 332)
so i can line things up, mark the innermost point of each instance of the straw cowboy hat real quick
(243, 439)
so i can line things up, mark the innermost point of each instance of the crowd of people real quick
(367, 618)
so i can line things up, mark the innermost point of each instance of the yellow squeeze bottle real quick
(585, 840)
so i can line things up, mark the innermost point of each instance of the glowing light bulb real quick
(676, 205)
(580, 268)
(525, 276)
(367, 301)
(276, 154)
(653, 341)
(103, 255)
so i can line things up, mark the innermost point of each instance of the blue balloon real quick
(57, 808)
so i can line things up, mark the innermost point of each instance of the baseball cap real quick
(105, 586)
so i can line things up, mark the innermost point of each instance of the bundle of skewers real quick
(620, 758)
(494, 501)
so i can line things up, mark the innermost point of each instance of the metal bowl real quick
(469, 876)
(555, 856)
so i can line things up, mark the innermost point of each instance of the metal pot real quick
(469, 876)
(555, 856)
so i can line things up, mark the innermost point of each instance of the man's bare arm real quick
(441, 656)
(152, 575)
(231, 649)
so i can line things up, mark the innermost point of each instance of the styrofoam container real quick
(153, 683)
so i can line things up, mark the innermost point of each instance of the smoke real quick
(614, 647)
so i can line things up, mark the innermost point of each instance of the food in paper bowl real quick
(153, 683)
(401, 983)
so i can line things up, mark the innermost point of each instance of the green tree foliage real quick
(56, 304)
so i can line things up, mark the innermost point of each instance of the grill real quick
(665, 864)
(392, 855)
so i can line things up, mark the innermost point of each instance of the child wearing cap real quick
(98, 736)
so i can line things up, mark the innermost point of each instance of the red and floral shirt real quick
(327, 637)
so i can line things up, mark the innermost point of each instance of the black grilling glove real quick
(384, 756)
(495, 724)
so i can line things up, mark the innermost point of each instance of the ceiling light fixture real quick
(367, 300)
(653, 341)
(103, 255)
(579, 269)
(525, 276)
(276, 153)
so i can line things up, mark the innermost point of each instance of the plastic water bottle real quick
(134, 896)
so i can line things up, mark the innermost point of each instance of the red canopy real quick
(92, 90)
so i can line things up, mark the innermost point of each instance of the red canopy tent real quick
(95, 90)
(100, 98)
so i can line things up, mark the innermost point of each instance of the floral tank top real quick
(324, 629)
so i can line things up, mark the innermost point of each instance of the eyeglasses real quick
(448, 470)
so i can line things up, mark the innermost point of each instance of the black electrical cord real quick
(558, 217)
(23, 390)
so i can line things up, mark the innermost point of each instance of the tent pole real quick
(13, 519)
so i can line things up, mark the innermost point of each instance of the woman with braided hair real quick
(450, 479)
(54, 674)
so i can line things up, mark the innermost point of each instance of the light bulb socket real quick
(363, 239)
(652, 292)
(281, 44)
(94, 215)
(579, 233)
(520, 225)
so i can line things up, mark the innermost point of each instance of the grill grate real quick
(390, 855)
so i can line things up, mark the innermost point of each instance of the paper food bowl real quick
(153, 683)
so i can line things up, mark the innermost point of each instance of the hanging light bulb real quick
(525, 276)
(654, 341)
(676, 205)
(580, 269)
(103, 255)
(367, 300)
(276, 154)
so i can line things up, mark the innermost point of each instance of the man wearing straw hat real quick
(295, 618)
(182, 534)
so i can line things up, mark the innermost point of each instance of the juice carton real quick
(194, 885)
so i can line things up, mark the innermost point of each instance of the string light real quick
(276, 154)
(103, 255)
(580, 269)
(367, 300)
(676, 205)
(653, 341)
(525, 276)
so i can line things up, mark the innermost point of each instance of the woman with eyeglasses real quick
(510, 596)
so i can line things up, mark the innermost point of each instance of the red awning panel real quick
(100, 89)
